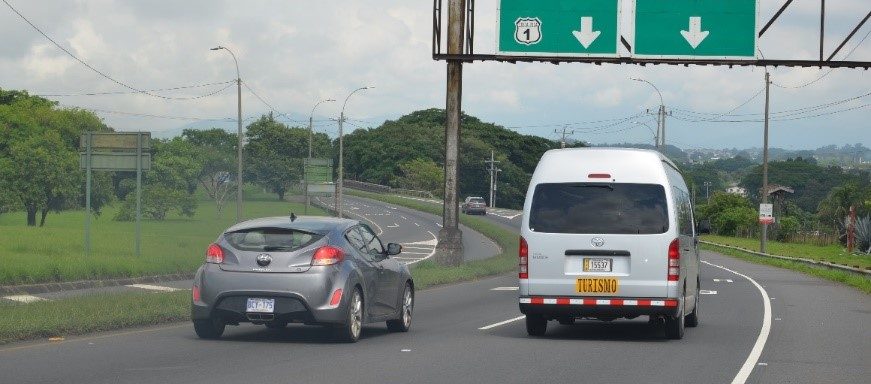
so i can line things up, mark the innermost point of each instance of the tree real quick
(837, 203)
(275, 152)
(43, 174)
(169, 185)
(421, 175)
(216, 149)
(727, 213)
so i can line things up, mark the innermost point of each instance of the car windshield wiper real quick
(607, 186)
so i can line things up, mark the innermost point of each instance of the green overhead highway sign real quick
(695, 29)
(558, 28)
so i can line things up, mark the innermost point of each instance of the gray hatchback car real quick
(278, 270)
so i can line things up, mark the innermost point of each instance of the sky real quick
(294, 53)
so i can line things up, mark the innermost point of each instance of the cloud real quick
(294, 53)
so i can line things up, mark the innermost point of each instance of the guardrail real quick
(378, 188)
(861, 271)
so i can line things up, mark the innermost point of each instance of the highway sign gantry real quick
(558, 28)
(695, 29)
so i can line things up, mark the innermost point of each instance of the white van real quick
(608, 233)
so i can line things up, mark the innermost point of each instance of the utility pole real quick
(239, 134)
(495, 186)
(492, 168)
(308, 163)
(449, 250)
(565, 132)
(763, 239)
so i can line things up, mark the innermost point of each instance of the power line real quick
(95, 70)
(780, 115)
(48, 94)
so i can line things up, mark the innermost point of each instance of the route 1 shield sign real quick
(527, 30)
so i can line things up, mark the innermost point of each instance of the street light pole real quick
(763, 238)
(655, 136)
(342, 152)
(308, 163)
(238, 134)
(660, 121)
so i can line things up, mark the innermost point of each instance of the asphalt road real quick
(815, 332)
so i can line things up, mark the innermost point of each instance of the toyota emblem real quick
(264, 259)
(597, 242)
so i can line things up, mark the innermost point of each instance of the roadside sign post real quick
(115, 152)
(695, 28)
(559, 28)
(317, 174)
(766, 214)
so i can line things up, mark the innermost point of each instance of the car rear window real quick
(270, 239)
(596, 208)
(477, 200)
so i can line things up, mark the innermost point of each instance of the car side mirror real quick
(393, 249)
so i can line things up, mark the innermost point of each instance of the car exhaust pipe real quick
(260, 316)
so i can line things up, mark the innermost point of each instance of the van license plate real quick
(597, 265)
(596, 285)
(260, 305)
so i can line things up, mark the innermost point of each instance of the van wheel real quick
(536, 325)
(674, 326)
(692, 320)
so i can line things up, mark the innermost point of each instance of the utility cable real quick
(95, 70)
(135, 92)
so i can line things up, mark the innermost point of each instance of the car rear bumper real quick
(302, 297)
(597, 306)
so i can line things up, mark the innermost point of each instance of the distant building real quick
(736, 190)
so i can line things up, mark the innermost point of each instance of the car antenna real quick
(292, 217)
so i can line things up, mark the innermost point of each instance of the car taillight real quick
(524, 259)
(328, 255)
(215, 254)
(674, 260)
(195, 293)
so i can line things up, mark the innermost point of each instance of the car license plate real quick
(596, 285)
(260, 305)
(597, 265)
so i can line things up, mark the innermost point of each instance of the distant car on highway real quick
(278, 270)
(474, 205)
(608, 233)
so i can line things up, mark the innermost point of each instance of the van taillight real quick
(215, 254)
(674, 260)
(328, 255)
(524, 259)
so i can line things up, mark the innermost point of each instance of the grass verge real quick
(860, 282)
(428, 273)
(54, 253)
(80, 315)
(831, 253)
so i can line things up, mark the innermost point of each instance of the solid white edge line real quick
(484, 328)
(756, 352)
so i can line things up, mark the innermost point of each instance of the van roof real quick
(624, 165)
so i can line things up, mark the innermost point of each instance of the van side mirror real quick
(393, 249)
(704, 227)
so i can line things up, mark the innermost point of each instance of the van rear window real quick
(599, 208)
(270, 239)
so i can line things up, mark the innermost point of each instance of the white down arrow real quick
(695, 35)
(586, 35)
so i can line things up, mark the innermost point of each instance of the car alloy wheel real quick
(356, 317)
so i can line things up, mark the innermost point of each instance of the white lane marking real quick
(505, 289)
(393, 226)
(504, 215)
(417, 224)
(403, 217)
(154, 287)
(724, 281)
(404, 247)
(756, 352)
(405, 350)
(24, 298)
(415, 253)
(439, 224)
(434, 242)
(486, 327)
(707, 292)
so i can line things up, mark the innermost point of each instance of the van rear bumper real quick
(597, 306)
